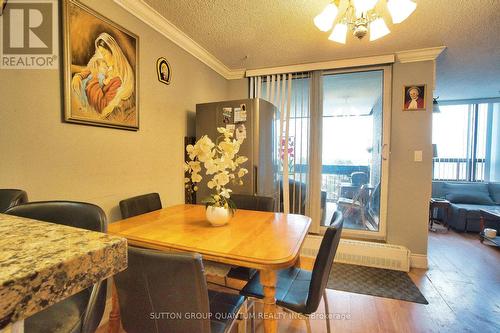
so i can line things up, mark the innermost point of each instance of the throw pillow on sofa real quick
(471, 193)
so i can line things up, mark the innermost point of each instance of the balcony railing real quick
(333, 176)
(458, 169)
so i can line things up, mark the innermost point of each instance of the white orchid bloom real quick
(195, 166)
(221, 179)
(196, 178)
(242, 172)
(226, 193)
(211, 166)
(241, 159)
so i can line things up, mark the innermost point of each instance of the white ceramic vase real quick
(218, 216)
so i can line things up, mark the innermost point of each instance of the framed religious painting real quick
(163, 71)
(414, 97)
(101, 61)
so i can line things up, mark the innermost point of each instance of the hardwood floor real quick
(462, 286)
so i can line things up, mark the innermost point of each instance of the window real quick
(467, 142)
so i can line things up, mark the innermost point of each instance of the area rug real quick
(374, 281)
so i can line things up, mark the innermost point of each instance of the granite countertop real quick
(43, 263)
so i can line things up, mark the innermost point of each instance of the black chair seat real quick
(223, 309)
(292, 289)
(65, 316)
(241, 273)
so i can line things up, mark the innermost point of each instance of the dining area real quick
(166, 267)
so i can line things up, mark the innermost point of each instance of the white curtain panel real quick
(290, 94)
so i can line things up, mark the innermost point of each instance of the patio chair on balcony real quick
(365, 204)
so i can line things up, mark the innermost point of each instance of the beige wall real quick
(238, 89)
(409, 181)
(55, 160)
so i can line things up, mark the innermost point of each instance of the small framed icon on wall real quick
(163, 71)
(414, 97)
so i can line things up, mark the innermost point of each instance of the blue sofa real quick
(466, 199)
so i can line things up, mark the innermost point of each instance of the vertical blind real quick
(290, 94)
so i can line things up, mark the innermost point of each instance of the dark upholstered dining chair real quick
(167, 292)
(11, 197)
(253, 202)
(140, 204)
(82, 312)
(299, 290)
(250, 202)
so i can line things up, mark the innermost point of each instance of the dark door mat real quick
(374, 281)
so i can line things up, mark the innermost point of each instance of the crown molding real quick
(151, 17)
(427, 54)
(334, 64)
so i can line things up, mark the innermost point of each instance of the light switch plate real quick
(417, 156)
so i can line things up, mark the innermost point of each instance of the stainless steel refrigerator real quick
(255, 120)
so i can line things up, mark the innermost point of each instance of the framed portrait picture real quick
(414, 97)
(163, 70)
(101, 62)
(3, 3)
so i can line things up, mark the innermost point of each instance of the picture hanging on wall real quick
(414, 97)
(163, 70)
(3, 3)
(100, 70)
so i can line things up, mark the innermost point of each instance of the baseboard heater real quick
(363, 253)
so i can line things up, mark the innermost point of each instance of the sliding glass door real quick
(334, 129)
(354, 115)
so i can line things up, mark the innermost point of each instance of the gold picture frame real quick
(163, 71)
(101, 62)
(414, 97)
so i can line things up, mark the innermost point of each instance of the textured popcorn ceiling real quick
(263, 33)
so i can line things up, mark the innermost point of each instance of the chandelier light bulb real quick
(364, 5)
(400, 9)
(339, 33)
(324, 21)
(378, 29)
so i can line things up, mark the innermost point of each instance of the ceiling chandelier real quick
(361, 16)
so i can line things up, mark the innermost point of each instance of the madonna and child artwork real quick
(101, 66)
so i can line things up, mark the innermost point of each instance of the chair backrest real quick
(157, 286)
(11, 197)
(80, 215)
(253, 202)
(359, 178)
(297, 192)
(71, 213)
(324, 261)
(140, 204)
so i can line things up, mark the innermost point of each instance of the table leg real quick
(268, 281)
(114, 315)
(430, 218)
(481, 228)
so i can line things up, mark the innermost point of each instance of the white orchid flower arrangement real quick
(221, 161)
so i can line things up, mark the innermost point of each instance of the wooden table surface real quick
(263, 240)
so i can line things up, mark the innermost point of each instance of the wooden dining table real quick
(266, 241)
